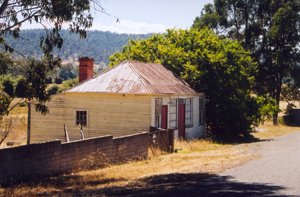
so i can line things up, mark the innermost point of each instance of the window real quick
(158, 103)
(201, 111)
(173, 113)
(81, 118)
(188, 111)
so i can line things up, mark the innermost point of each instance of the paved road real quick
(279, 165)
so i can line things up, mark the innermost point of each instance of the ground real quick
(195, 169)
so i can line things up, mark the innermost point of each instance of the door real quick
(164, 116)
(181, 120)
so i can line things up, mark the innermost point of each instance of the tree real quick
(269, 28)
(5, 63)
(67, 71)
(20, 90)
(53, 90)
(54, 13)
(220, 68)
(8, 87)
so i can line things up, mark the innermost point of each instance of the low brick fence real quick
(52, 158)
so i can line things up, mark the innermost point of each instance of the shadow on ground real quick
(196, 184)
(237, 139)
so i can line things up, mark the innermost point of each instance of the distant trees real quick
(220, 68)
(99, 45)
(270, 29)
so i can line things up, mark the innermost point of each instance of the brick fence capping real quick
(54, 157)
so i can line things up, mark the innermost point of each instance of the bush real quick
(8, 87)
(69, 83)
(20, 90)
(58, 80)
(53, 90)
(49, 80)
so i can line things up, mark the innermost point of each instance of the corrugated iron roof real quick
(134, 77)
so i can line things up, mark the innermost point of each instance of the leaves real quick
(269, 28)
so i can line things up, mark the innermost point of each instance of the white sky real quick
(145, 16)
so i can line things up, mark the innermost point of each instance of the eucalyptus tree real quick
(270, 29)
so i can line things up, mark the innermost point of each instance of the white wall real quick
(191, 133)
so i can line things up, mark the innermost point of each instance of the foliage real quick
(48, 80)
(269, 28)
(69, 84)
(220, 68)
(5, 63)
(20, 90)
(99, 45)
(290, 93)
(267, 108)
(67, 72)
(8, 87)
(53, 90)
(58, 80)
(5, 101)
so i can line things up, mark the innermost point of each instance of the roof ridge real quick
(139, 77)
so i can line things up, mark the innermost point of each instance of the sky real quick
(145, 16)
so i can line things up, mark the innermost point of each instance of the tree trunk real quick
(277, 98)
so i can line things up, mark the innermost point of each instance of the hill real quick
(99, 45)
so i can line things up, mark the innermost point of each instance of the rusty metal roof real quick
(134, 77)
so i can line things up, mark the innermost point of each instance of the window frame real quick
(86, 122)
(188, 111)
(157, 112)
(173, 113)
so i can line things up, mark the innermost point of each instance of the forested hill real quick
(99, 45)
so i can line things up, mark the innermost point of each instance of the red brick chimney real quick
(86, 66)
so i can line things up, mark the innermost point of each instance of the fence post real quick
(171, 140)
(28, 121)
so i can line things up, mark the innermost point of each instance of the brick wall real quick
(51, 158)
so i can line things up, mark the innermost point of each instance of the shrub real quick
(58, 80)
(53, 90)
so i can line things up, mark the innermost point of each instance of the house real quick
(127, 99)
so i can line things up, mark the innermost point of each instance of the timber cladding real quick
(107, 114)
(52, 158)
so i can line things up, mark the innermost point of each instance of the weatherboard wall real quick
(108, 114)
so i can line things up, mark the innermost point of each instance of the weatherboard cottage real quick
(127, 99)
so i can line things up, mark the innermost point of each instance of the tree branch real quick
(3, 7)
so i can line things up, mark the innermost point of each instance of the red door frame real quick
(181, 120)
(164, 116)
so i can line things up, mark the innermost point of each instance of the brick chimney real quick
(86, 66)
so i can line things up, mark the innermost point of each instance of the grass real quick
(269, 131)
(19, 125)
(196, 156)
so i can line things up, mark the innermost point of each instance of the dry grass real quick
(19, 124)
(268, 131)
(193, 157)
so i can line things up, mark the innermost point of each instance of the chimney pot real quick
(86, 67)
